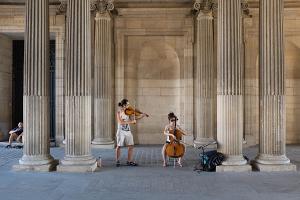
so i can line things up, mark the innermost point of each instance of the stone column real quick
(36, 152)
(205, 91)
(78, 98)
(243, 4)
(272, 131)
(215, 30)
(103, 75)
(230, 87)
(59, 74)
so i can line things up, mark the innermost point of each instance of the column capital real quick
(245, 8)
(96, 5)
(62, 7)
(203, 6)
(207, 6)
(102, 6)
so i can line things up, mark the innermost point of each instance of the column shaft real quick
(78, 89)
(59, 87)
(205, 92)
(36, 152)
(230, 87)
(103, 110)
(272, 86)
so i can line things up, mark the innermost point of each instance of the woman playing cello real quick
(169, 132)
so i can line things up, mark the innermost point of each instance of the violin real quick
(175, 149)
(133, 111)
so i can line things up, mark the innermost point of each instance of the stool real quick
(174, 160)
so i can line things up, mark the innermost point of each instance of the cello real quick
(175, 149)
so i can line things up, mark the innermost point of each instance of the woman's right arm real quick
(12, 131)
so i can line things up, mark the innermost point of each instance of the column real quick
(78, 98)
(205, 91)
(230, 87)
(272, 132)
(103, 76)
(36, 152)
(59, 74)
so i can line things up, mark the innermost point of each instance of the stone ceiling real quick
(134, 3)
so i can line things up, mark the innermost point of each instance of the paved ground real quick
(148, 181)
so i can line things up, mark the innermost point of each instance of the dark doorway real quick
(52, 90)
(17, 84)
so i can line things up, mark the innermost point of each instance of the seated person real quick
(15, 134)
(168, 132)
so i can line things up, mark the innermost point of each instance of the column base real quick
(234, 168)
(51, 166)
(274, 168)
(236, 160)
(77, 164)
(272, 159)
(77, 168)
(273, 163)
(103, 144)
(204, 141)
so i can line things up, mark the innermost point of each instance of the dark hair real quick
(123, 102)
(171, 115)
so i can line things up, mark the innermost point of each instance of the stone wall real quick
(154, 67)
(5, 86)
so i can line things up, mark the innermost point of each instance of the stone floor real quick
(147, 181)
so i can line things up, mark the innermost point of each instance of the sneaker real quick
(118, 163)
(131, 164)
(8, 146)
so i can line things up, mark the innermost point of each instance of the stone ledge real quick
(39, 168)
(103, 146)
(77, 168)
(234, 168)
(274, 168)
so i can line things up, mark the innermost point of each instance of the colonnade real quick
(224, 97)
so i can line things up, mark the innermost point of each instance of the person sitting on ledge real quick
(15, 134)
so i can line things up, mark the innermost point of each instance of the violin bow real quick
(134, 111)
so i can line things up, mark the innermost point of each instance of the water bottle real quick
(99, 162)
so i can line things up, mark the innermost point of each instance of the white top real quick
(124, 127)
(168, 131)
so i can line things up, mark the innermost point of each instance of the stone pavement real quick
(148, 181)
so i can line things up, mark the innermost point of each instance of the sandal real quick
(118, 164)
(165, 164)
(178, 163)
(131, 164)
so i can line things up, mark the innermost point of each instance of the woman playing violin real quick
(169, 130)
(124, 135)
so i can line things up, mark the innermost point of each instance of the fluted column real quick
(230, 87)
(59, 75)
(36, 152)
(103, 96)
(205, 91)
(78, 156)
(272, 131)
